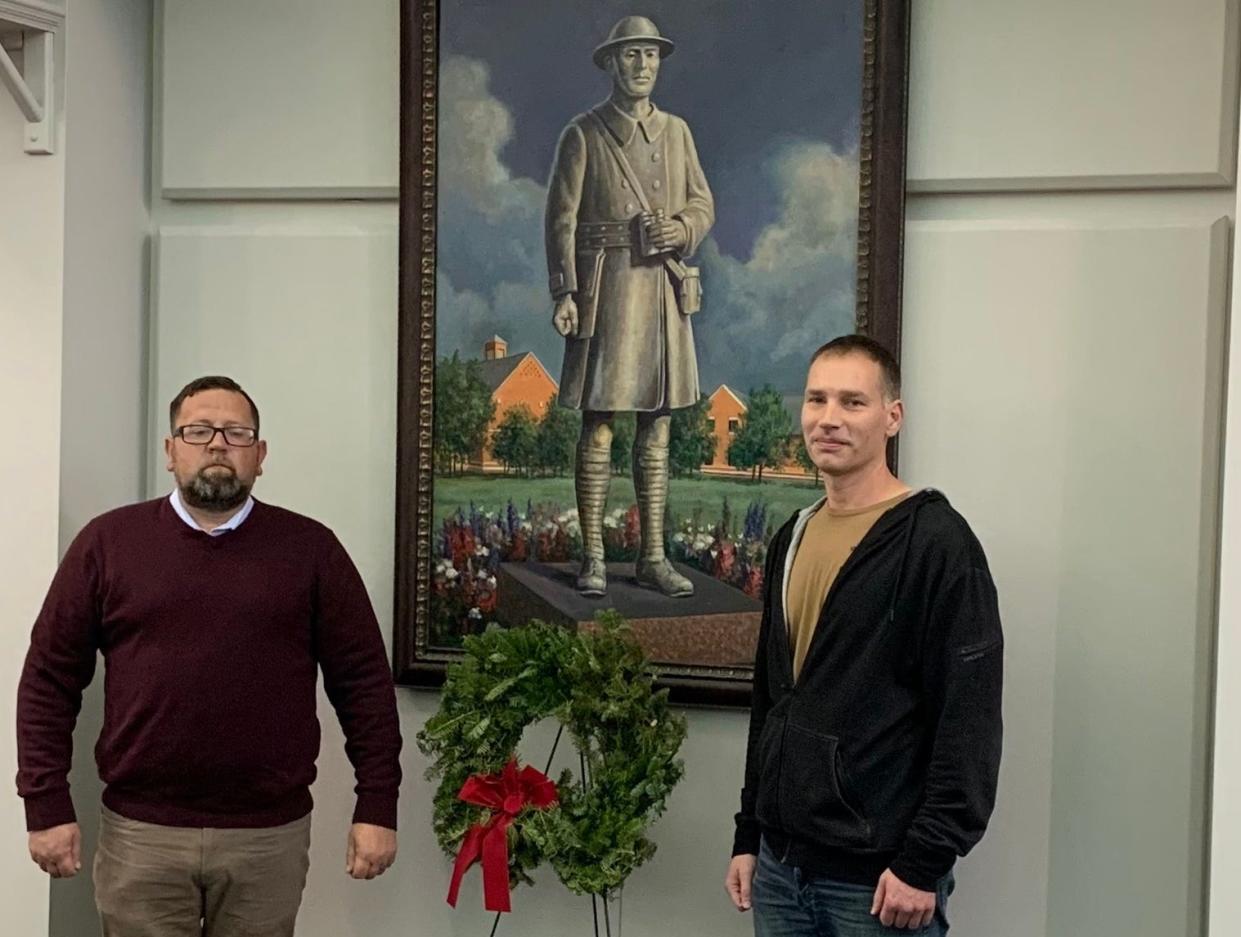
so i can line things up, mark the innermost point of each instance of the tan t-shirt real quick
(826, 543)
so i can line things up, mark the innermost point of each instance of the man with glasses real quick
(214, 613)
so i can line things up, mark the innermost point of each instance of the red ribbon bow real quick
(507, 793)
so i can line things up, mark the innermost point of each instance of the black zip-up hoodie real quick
(885, 751)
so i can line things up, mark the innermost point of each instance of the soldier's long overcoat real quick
(634, 349)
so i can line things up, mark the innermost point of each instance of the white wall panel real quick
(106, 272)
(1072, 94)
(278, 98)
(1225, 896)
(32, 232)
(305, 321)
(1064, 389)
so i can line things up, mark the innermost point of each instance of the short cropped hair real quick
(864, 345)
(211, 382)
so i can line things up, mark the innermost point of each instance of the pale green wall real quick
(106, 277)
(1063, 346)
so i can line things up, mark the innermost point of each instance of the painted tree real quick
(463, 411)
(762, 439)
(691, 442)
(742, 453)
(624, 429)
(556, 439)
(515, 441)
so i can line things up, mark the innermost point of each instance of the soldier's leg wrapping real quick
(650, 482)
(591, 477)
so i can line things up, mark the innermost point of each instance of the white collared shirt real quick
(231, 524)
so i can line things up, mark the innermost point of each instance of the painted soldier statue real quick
(627, 202)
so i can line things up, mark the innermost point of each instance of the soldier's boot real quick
(594, 471)
(650, 481)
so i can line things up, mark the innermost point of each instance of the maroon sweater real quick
(211, 648)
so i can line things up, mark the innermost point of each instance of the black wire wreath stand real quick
(594, 899)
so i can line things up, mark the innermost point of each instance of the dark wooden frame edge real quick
(880, 258)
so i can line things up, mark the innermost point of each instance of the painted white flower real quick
(475, 613)
(450, 574)
(491, 581)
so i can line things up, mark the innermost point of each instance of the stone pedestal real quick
(715, 627)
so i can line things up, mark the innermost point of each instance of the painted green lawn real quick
(491, 492)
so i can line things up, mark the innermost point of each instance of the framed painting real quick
(623, 231)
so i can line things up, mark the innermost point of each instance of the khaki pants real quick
(170, 881)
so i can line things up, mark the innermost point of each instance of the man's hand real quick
(670, 235)
(739, 878)
(370, 851)
(564, 316)
(900, 905)
(58, 850)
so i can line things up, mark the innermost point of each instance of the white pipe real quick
(19, 89)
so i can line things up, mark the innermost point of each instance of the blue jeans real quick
(790, 902)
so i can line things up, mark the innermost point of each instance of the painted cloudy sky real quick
(769, 93)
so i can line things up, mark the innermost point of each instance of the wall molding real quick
(280, 194)
(1085, 183)
(32, 14)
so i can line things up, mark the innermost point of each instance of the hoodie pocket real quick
(815, 802)
(770, 756)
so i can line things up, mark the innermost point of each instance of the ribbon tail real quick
(495, 867)
(471, 850)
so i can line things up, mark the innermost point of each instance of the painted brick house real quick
(513, 380)
(726, 411)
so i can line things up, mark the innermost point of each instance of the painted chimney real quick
(495, 347)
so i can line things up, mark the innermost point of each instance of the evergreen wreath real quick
(596, 683)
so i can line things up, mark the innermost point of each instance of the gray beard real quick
(219, 491)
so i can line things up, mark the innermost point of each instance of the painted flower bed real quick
(471, 546)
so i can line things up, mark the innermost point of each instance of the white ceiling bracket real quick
(34, 88)
(29, 27)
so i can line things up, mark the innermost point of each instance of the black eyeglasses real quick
(200, 434)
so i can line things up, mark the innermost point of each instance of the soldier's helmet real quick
(632, 29)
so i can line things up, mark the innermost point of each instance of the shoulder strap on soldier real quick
(675, 267)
